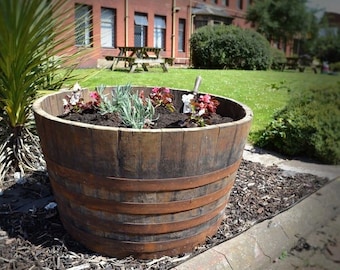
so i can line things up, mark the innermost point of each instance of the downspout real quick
(126, 23)
(173, 39)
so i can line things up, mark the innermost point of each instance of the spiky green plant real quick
(136, 112)
(119, 95)
(32, 33)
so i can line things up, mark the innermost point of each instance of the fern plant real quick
(30, 36)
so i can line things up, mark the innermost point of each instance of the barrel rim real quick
(37, 108)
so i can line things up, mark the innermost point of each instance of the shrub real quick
(277, 58)
(222, 46)
(335, 66)
(327, 48)
(308, 125)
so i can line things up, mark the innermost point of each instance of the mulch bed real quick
(33, 237)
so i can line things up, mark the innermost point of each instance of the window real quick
(225, 2)
(240, 4)
(159, 32)
(83, 17)
(181, 35)
(141, 27)
(200, 23)
(107, 29)
(213, 1)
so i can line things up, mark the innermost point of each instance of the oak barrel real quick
(145, 193)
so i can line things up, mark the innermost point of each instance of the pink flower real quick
(201, 105)
(94, 95)
(206, 98)
(155, 90)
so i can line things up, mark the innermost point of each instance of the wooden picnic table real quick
(139, 55)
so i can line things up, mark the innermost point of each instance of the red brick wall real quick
(151, 8)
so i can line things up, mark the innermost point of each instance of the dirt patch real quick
(163, 119)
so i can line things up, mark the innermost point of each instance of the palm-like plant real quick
(32, 33)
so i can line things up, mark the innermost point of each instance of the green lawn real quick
(253, 88)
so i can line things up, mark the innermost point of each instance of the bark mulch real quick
(32, 236)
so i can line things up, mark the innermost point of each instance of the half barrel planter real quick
(145, 193)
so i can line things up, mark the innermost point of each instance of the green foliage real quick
(134, 110)
(30, 37)
(277, 58)
(327, 48)
(282, 20)
(119, 95)
(222, 46)
(309, 125)
(335, 67)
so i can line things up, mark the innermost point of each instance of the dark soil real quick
(33, 237)
(164, 119)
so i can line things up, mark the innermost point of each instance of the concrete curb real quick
(261, 244)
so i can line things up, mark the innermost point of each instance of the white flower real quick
(76, 87)
(201, 112)
(186, 101)
(187, 98)
(75, 97)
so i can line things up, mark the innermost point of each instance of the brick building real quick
(167, 24)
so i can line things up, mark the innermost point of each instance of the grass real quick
(263, 91)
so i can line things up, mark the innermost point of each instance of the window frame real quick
(108, 26)
(181, 35)
(140, 28)
(83, 23)
(159, 31)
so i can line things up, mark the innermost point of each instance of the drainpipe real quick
(126, 23)
(173, 39)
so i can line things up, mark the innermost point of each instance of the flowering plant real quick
(161, 96)
(199, 107)
(76, 103)
(137, 111)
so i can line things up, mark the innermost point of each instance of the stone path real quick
(319, 250)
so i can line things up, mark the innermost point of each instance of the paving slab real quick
(321, 250)
(212, 260)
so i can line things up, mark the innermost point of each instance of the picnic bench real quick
(299, 63)
(291, 63)
(139, 55)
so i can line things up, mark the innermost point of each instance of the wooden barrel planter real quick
(145, 193)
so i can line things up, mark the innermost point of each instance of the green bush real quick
(335, 66)
(327, 48)
(308, 126)
(277, 58)
(222, 46)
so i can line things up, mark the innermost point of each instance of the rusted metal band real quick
(121, 226)
(128, 184)
(141, 250)
(138, 208)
